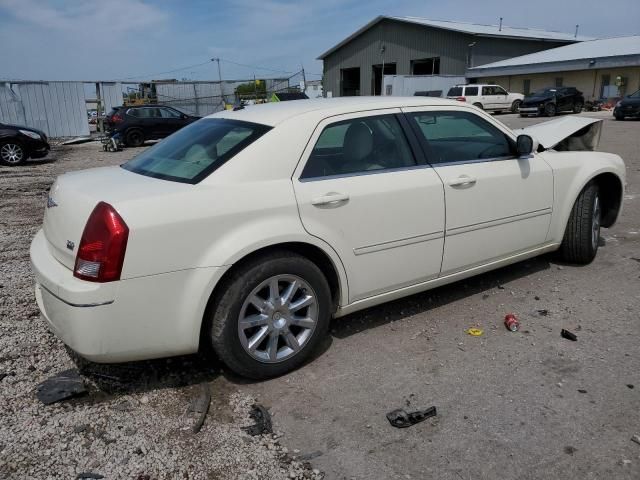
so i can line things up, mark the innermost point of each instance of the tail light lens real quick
(461, 99)
(115, 118)
(102, 247)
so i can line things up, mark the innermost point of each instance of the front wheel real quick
(515, 106)
(550, 109)
(270, 315)
(581, 238)
(12, 154)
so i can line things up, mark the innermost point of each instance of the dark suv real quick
(146, 122)
(550, 101)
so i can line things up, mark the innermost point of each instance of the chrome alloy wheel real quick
(11, 153)
(595, 223)
(278, 318)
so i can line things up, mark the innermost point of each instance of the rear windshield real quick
(192, 153)
(455, 92)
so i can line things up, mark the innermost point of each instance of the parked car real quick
(18, 143)
(248, 230)
(550, 101)
(629, 106)
(137, 124)
(486, 97)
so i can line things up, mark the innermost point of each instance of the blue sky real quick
(115, 39)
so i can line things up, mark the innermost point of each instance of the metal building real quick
(418, 46)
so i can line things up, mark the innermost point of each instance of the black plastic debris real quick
(401, 419)
(262, 418)
(201, 405)
(65, 385)
(630, 386)
(568, 335)
(543, 312)
(89, 475)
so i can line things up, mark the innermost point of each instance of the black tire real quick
(223, 314)
(581, 237)
(619, 117)
(12, 153)
(515, 106)
(134, 138)
(550, 110)
(577, 108)
(479, 105)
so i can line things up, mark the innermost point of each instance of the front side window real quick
(460, 137)
(169, 113)
(471, 91)
(193, 152)
(488, 91)
(360, 145)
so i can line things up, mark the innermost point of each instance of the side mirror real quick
(526, 145)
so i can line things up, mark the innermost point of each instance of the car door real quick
(488, 100)
(497, 205)
(501, 98)
(361, 189)
(172, 120)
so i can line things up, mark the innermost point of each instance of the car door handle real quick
(462, 181)
(332, 199)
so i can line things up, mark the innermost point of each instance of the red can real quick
(511, 322)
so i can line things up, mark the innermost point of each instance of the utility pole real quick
(219, 78)
(304, 80)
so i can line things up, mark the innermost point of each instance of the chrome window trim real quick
(478, 160)
(360, 174)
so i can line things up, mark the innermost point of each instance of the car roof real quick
(277, 112)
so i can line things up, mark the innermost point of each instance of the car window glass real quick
(487, 91)
(168, 113)
(193, 152)
(460, 137)
(359, 145)
(471, 91)
(500, 91)
(455, 92)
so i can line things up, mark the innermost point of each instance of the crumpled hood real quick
(567, 133)
(537, 99)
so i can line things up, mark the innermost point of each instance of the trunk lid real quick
(567, 133)
(73, 196)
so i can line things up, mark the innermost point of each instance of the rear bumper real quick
(136, 319)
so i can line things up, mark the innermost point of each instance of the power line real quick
(168, 71)
(255, 67)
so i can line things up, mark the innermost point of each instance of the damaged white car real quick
(246, 231)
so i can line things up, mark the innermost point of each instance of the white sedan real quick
(248, 230)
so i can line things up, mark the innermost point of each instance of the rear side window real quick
(193, 152)
(471, 91)
(455, 92)
(359, 145)
(460, 137)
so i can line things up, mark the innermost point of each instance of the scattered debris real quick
(201, 406)
(500, 287)
(89, 475)
(568, 335)
(636, 439)
(543, 312)
(401, 419)
(262, 418)
(569, 450)
(65, 385)
(511, 322)
(310, 456)
(630, 385)
(474, 332)
(582, 390)
(537, 297)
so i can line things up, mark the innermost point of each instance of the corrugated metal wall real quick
(56, 108)
(406, 42)
(111, 95)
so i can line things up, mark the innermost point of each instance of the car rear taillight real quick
(115, 118)
(461, 99)
(102, 247)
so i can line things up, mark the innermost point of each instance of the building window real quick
(426, 66)
(558, 81)
(526, 86)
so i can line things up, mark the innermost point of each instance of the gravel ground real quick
(134, 421)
